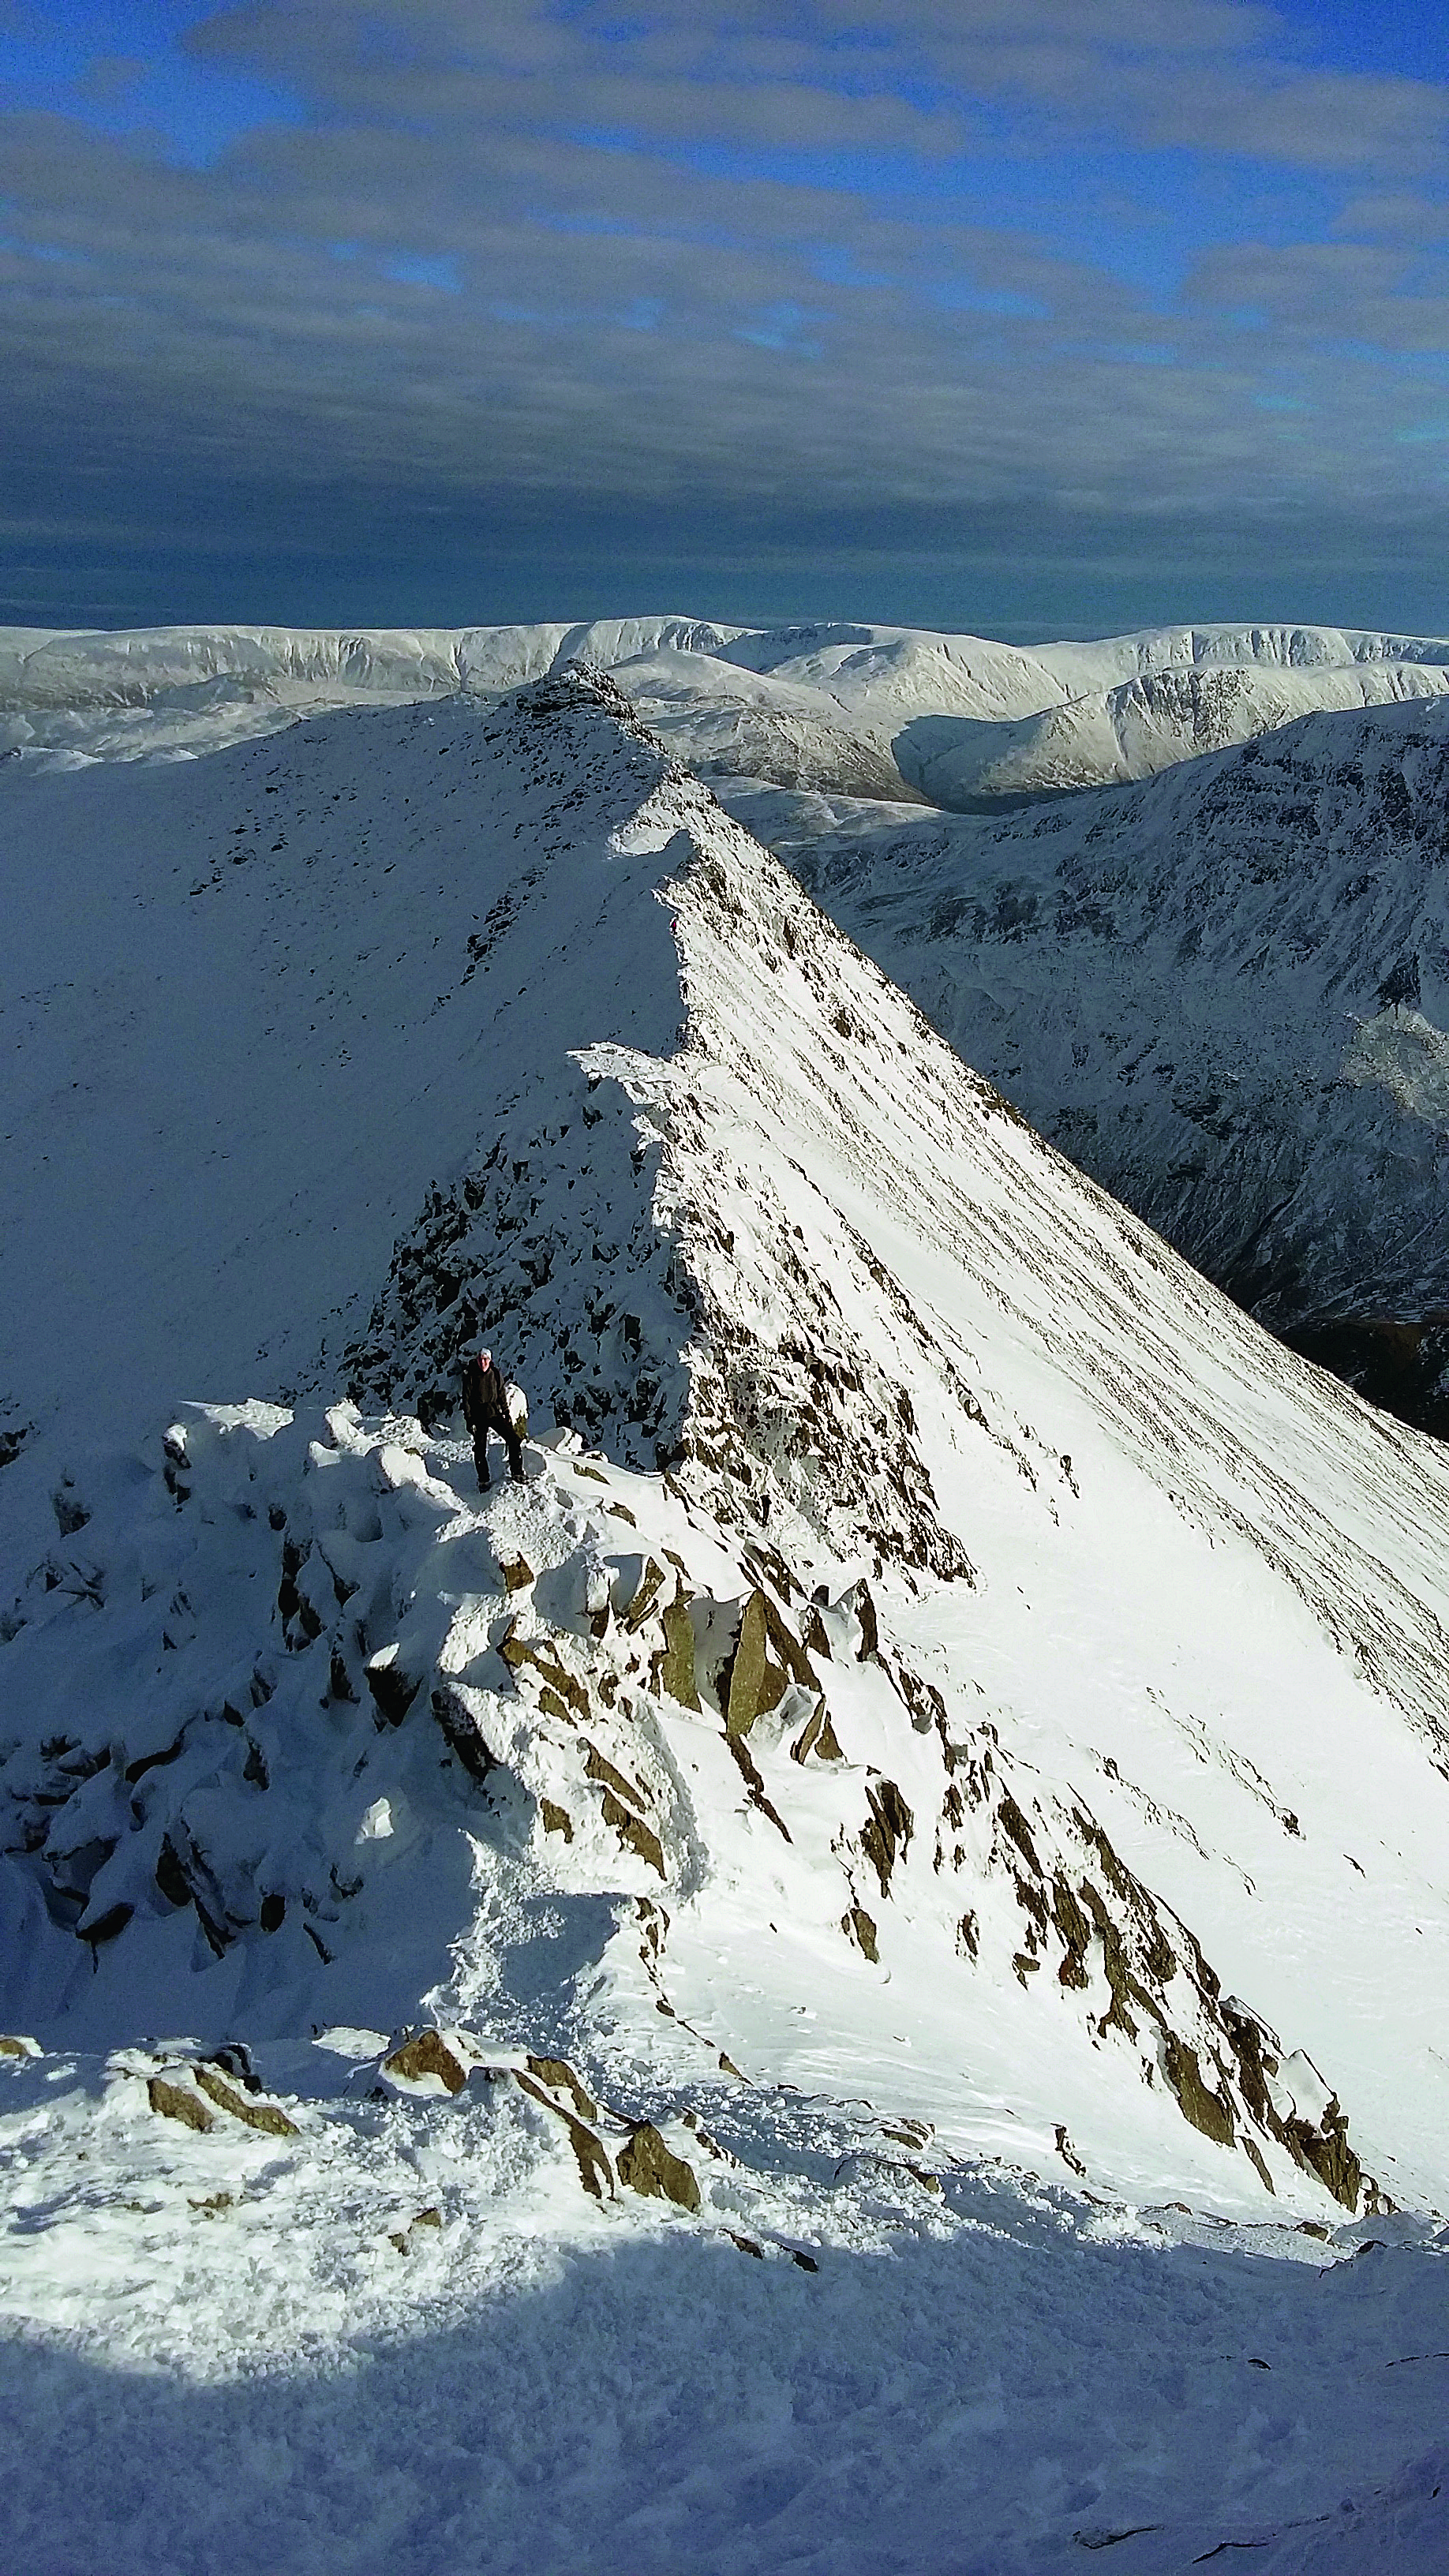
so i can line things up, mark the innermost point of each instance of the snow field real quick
(229, 2358)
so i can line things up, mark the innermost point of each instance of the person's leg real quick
(480, 1459)
(515, 1454)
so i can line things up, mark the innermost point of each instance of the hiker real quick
(485, 1409)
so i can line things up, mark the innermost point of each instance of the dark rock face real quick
(1401, 1366)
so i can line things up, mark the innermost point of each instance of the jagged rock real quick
(1207, 2111)
(598, 1767)
(393, 1689)
(859, 1600)
(888, 1831)
(632, 1831)
(818, 1736)
(1075, 1930)
(171, 1878)
(595, 2171)
(423, 2055)
(266, 2116)
(556, 1820)
(461, 1732)
(647, 2165)
(788, 1649)
(643, 1601)
(859, 1927)
(175, 2103)
(1255, 2158)
(557, 2073)
(754, 1783)
(517, 1651)
(1325, 2151)
(674, 1669)
(1016, 1825)
(755, 1682)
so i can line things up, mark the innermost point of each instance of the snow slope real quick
(1143, 725)
(1222, 992)
(952, 1704)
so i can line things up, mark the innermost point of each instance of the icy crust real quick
(314, 1739)
(404, 2332)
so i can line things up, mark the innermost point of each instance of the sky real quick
(1023, 317)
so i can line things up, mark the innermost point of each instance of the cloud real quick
(730, 270)
(1206, 74)
(1394, 215)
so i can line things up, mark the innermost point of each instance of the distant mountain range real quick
(955, 720)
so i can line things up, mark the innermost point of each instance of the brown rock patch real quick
(426, 2054)
(647, 2165)
(175, 2103)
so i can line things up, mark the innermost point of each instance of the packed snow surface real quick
(851, 1975)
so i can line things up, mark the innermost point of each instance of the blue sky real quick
(1024, 315)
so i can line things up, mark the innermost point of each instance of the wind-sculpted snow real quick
(399, 1729)
(950, 1704)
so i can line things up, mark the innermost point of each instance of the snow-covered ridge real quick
(859, 710)
(1143, 725)
(908, 1847)
(825, 1309)
(1222, 992)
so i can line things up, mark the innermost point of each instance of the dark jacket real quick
(485, 1400)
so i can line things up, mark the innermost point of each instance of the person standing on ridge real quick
(485, 1409)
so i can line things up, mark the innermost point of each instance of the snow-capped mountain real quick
(897, 712)
(952, 1704)
(1145, 724)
